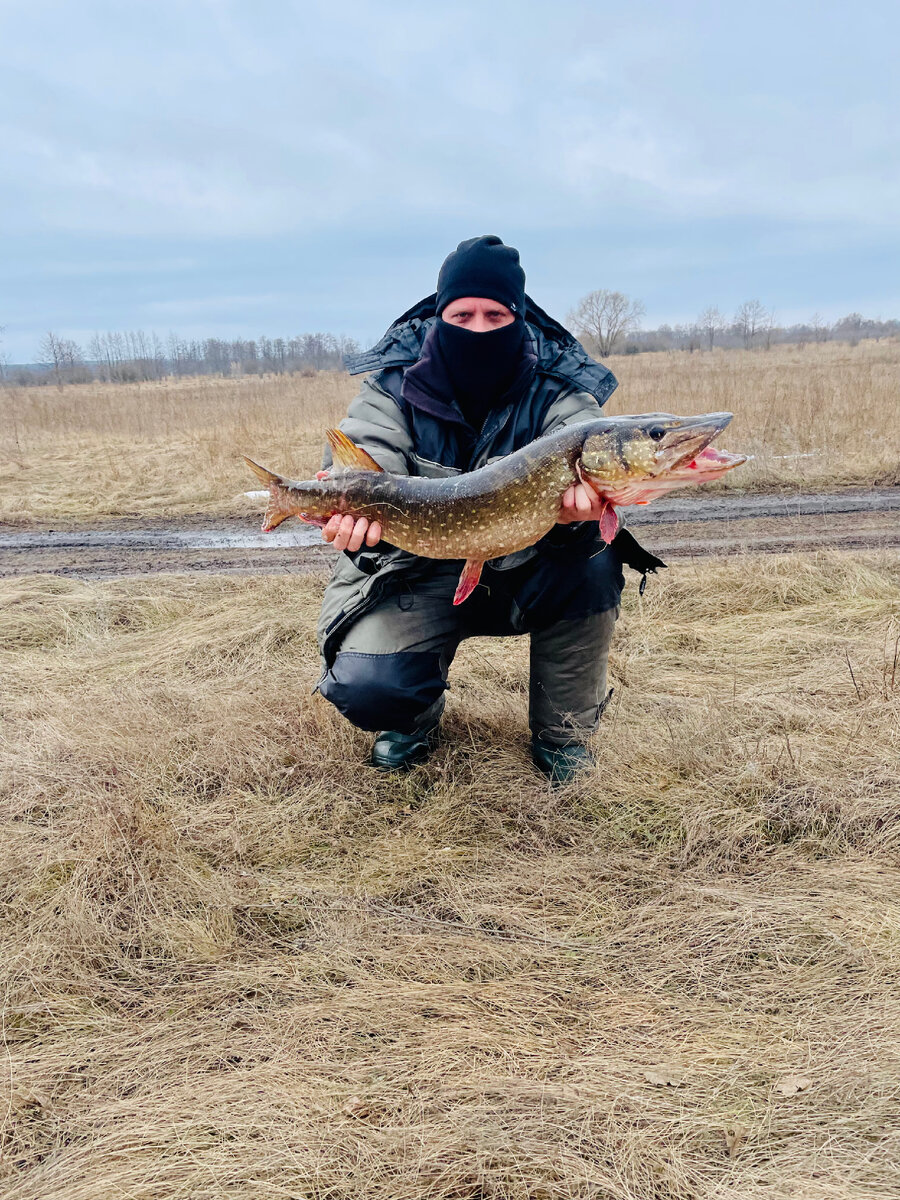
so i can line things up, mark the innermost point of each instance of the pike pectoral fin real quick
(348, 454)
(468, 580)
(609, 523)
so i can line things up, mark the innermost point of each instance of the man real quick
(468, 375)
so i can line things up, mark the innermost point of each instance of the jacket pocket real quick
(358, 584)
(339, 611)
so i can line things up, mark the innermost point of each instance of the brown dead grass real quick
(824, 416)
(238, 963)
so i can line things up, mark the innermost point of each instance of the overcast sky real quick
(234, 167)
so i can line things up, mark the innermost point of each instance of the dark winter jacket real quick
(568, 386)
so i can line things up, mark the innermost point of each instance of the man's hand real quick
(580, 503)
(349, 533)
(346, 532)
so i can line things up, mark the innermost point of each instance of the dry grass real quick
(819, 417)
(239, 963)
(157, 448)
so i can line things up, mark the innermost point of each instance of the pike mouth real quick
(709, 459)
(690, 443)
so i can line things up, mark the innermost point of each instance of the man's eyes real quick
(492, 316)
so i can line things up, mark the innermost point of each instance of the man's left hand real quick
(580, 503)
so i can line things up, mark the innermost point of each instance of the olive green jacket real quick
(409, 442)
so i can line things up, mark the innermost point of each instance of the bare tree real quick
(849, 328)
(711, 322)
(769, 327)
(688, 337)
(61, 355)
(819, 328)
(603, 317)
(750, 319)
(49, 352)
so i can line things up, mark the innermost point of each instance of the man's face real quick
(477, 314)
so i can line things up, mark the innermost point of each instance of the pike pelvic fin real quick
(348, 454)
(609, 523)
(468, 580)
(274, 516)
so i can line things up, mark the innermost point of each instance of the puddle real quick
(211, 538)
(162, 534)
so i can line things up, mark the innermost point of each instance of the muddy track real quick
(677, 527)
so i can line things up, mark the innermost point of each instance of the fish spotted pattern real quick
(509, 504)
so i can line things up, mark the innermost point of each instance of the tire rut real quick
(682, 527)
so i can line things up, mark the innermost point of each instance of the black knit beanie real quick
(482, 266)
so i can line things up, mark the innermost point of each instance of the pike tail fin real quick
(262, 473)
(274, 513)
(348, 454)
(468, 580)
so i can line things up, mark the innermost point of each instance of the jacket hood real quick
(558, 352)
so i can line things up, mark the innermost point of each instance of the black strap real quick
(633, 554)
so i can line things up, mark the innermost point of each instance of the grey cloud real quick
(225, 120)
(351, 130)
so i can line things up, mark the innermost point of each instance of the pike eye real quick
(657, 432)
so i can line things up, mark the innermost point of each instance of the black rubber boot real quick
(561, 763)
(395, 751)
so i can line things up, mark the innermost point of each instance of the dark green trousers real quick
(392, 667)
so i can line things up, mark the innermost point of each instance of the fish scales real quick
(483, 514)
(511, 503)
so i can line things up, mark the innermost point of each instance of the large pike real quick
(511, 503)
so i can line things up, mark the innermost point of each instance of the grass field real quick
(238, 963)
(823, 416)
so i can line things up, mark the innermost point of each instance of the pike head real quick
(635, 459)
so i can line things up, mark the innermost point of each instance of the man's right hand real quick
(348, 533)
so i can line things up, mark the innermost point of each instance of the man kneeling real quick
(466, 376)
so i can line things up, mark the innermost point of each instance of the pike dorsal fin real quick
(348, 454)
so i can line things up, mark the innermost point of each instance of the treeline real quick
(134, 356)
(609, 323)
(606, 322)
(757, 330)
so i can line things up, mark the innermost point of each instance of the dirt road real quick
(672, 528)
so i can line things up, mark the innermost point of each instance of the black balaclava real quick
(481, 367)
